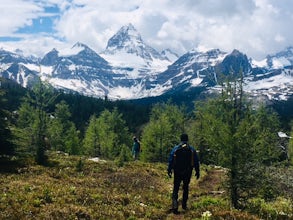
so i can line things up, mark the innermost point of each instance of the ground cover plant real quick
(73, 187)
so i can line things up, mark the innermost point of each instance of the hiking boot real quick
(184, 206)
(176, 212)
(175, 206)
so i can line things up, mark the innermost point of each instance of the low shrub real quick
(281, 208)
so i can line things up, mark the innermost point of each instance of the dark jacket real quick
(136, 147)
(194, 164)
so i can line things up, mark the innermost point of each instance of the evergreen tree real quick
(63, 135)
(91, 143)
(72, 141)
(266, 124)
(239, 138)
(290, 147)
(24, 131)
(108, 133)
(31, 128)
(124, 156)
(6, 147)
(114, 128)
(167, 122)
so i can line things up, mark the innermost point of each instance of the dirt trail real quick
(211, 183)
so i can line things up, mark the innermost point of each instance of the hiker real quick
(135, 148)
(183, 158)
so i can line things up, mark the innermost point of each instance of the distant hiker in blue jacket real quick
(183, 158)
(136, 148)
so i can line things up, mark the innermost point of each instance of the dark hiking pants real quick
(178, 178)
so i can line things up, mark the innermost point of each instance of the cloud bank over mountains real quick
(256, 27)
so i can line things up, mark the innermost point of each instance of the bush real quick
(206, 203)
(124, 156)
(281, 208)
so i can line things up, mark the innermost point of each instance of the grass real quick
(77, 188)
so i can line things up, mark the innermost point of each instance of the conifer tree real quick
(159, 136)
(290, 147)
(124, 156)
(91, 143)
(31, 131)
(108, 133)
(24, 131)
(72, 141)
(6, 146)
(116, 130)
(239, 138)
(63, 134)
(266, 124)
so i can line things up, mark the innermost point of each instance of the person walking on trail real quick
(135, 148)
(183, 158)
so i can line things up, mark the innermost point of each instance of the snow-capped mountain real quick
(79, 69)
(129, 68)
(281, 59)
(129, 40)
(129, 54)
(193, 68)
(15, 67)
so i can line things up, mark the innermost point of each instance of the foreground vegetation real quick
(227, 130)
(73, 187)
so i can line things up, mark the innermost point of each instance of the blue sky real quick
(255, 27)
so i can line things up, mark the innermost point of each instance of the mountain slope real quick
(130, 69)
(128, 53)
(80, 69)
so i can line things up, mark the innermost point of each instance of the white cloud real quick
(16, 14)
(256, 27)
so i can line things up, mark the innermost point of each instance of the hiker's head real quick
(184, 137)
(134, 138)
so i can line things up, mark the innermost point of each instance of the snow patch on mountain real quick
(280, 62)
(197, 81)
(260, 63)
(131, 69)
(126, 92)
(278, 87)
(169, 55)
(89, 89)
(134, 66)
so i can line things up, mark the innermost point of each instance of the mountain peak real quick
(126, 37)
(128, 27)
(128, 40)
(235, 63)
(80, 45)
(236, 52)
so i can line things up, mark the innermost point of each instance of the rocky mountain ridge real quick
(129, 69)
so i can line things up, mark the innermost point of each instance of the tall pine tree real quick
(159, 136)
(107, 134)
(91, 142)
(31, 130)
(6, 146)
(63, 135)
(236, 136)
(290, 147)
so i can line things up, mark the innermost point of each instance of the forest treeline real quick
(227, 130)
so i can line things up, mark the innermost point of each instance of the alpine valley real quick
(130, 69)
